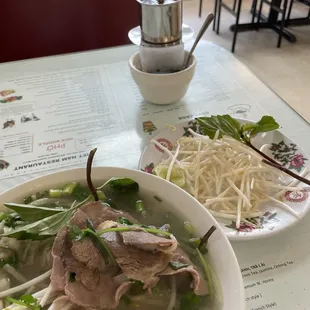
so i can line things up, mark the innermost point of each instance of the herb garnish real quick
(177, 265)
(32, 213)
(190, 301)
(228, 126)
(71, 277)
(27, 301)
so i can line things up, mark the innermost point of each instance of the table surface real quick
(218, 73)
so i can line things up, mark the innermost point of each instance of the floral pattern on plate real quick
(288, 155)
(254, 223)
(275, 145)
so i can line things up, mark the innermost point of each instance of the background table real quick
(221, 85)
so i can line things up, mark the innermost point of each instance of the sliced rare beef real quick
(149, 242)
(99, 213)
(135, 263)
(105, 295)
(58, 270)
(85, 252)
(79, 278)
(198, 284)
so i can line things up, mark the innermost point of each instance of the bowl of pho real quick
(112, 238)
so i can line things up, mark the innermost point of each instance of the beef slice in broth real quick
(99, 212)
(198, 284)
(135, 263)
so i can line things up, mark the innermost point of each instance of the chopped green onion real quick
(55, 193)
(69, 189)
(140, 207)
(101, 195)
(189, 228)
(195, 242)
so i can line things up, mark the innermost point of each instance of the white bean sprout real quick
(227, 177)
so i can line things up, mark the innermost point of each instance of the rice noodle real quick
(24, 286)
(46, 296)
(37, 295)
(173, 294)
(12, 271)
(228, 177)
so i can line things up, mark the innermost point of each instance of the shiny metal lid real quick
(161, 20)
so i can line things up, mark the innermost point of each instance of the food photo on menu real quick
(148, 161)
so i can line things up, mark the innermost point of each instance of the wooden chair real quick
(36, 28)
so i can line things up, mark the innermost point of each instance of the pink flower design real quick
(149, 168)
(297, 161)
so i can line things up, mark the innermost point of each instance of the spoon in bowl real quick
(201, 32)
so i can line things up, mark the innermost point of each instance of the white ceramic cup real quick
(161, 88)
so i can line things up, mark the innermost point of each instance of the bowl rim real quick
(118, 171)
(137, 54)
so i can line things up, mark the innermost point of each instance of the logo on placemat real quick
(296, 196)
(164, 142)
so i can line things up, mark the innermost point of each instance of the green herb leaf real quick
(39, 195)
(32, 213)
(267, 123)
(48, 226)
(90, 225)
(8, 257)
(71, 277)
(26, 301)
(126, 299)
(27, 200)
(124, 184)
(75, 232)
(124, 220)
(226, 125)
(177, 265)
(81, 193)
(190, 301)
(101, 245)
(9, 219)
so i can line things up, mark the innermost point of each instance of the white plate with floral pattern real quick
(278, 147)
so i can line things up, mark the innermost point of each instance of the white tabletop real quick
(221, 85)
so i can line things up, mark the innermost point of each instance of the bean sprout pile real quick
(226, 176)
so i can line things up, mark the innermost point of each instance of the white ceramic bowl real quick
(161, 88)
(221, 255)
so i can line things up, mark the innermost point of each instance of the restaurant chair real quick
(235, 10)
(36, 28)
(280, 10)
(288, 18)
